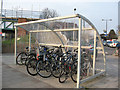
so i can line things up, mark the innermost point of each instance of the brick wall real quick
(21, 31)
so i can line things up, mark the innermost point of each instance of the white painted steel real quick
(15, 44)
(79, 42)
(79, 53)
(87, 47)
(100, 69)
(29, 41)
(45, 20)
(56, 30)
(104, 56)
(92, 77)
(60, 30)
(94, 56)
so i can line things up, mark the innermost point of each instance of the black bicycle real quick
(86, 65)
(66, 66)
(43, 66)
(69, 67)
(50, 64)
(32, 60)
(23, 56)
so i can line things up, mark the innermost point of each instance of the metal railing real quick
(21, 13)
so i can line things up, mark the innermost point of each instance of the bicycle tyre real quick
(83, 71)
(31, 67)
(63, 75)
(55, 69)
(43, 68)
(29, 57)
(23, 57)
(74, 71)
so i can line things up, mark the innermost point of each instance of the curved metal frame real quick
(79, 45)
(95, 32)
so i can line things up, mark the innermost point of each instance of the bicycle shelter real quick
(74, 31)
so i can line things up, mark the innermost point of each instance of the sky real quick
(94, 10)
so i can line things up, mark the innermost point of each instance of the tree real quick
(48, 13)
(112, 34)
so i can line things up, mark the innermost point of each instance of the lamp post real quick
(106, 20)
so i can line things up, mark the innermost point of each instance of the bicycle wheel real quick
(74, 71)
(29, 57)
(31, 67)
(85, 66)
(63, 74)
(21, 58)
(43, 68)
(55, 69)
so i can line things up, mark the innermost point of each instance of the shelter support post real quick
(94, 54)
(103, 52)
(104, 57)
(79, 53)
(29, 41)
(15, 43)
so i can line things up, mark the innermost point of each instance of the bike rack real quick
(79, 46)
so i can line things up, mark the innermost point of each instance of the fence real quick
(21, 13)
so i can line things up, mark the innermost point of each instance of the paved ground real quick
(109, 51)
(14, 76)
(15, 79)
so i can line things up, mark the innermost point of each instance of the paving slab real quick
(12, 78)
(15, 76)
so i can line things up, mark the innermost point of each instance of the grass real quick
(8, 42)
(23, 39)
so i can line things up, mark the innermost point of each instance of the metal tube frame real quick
(45, 20)
(94, 56)
(79, 42)
(79, 53)
(15, 44)
(88, 47)
(29, 41)
(60, 30)
(92, 77)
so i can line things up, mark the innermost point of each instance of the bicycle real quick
(22, 56)
(66, 65)
(43, 66)
(69, 68)
(31, 62)
(56, 61)
(86, 65)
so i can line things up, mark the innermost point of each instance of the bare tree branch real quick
(49, 13)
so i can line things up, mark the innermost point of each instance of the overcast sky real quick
(94, 11)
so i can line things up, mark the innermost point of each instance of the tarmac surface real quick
(15, 76)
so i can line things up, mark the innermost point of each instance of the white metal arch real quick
(90, 23)
(80, 17)
(94, 59)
